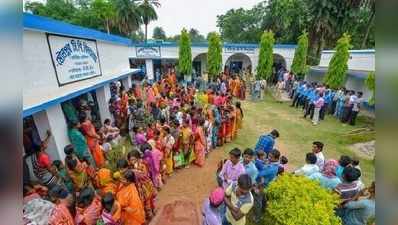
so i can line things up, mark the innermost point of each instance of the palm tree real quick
(148, 13)
(128, 16)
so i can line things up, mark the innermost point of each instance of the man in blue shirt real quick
(266, 142)
(270, 171)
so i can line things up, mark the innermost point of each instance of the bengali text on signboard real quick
(74, 59)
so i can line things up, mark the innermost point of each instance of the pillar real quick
(103, 95)
(53, 119)
(127, 82)
(149, 69)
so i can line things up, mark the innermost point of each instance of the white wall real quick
(40, 82)
(172, 52)
(359, 59)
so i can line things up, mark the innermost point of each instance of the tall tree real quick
(158, 33)
(184, 54)
(105, 11)
(371, 85)
(214, 55)
(328, 19)
(265, 58)
(148, 13)
(371, 6)
(300, 56)
(127, 16)
(336, 74)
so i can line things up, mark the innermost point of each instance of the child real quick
(317, 148)
(210, 209)
(250, 168)
(232, 169)
(270, 170)
(343, 163)
(260, 160)
(112, 211)
(107, 146)
(318, 104)
(238, 200)
(63, 174)
(310, 167)
(283, 163)
(349, 187)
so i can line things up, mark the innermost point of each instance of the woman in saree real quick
(132, 209)
(186, 138)
(124, 104)
(168, 143)
(92, 140)
(105, 182)
(143, 183)
(79, 141)
(200, 143)
(157, 157)
(237, 87)
(89, 207)
(239, 116)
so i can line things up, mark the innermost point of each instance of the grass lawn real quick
(297, 133)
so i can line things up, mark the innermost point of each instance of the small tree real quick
(336, 74)
(300, 201)
(371, 84)
(184, 54)
(214, 55)
(265, 60)
(300, 56)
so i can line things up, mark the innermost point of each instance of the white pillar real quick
(103, 95)
(127, 82)
(149, 69)
(53, 119)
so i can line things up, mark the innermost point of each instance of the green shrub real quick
(296, 200)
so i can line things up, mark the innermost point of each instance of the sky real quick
(173, 15)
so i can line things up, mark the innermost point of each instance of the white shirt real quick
(307, 170)
(320, 160)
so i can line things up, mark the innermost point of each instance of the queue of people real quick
(170, 127)
(318, 100)
(243, 180)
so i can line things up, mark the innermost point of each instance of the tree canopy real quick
(324, 20)
(300, 56)
(184, 54)
(336, 74)
(159, 33)
(214, 55)
(265, 58)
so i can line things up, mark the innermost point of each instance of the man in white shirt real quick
(310, 167)
(317, 148)
(356, 103)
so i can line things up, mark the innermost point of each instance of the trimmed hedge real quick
(297, 200)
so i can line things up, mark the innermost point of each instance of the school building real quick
(68, 68)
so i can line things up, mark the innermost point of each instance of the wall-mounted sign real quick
(238, 49)
(148, 52)
(74, 59)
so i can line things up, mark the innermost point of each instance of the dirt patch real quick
(179, 212)
(365, 149)
(193, 184)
